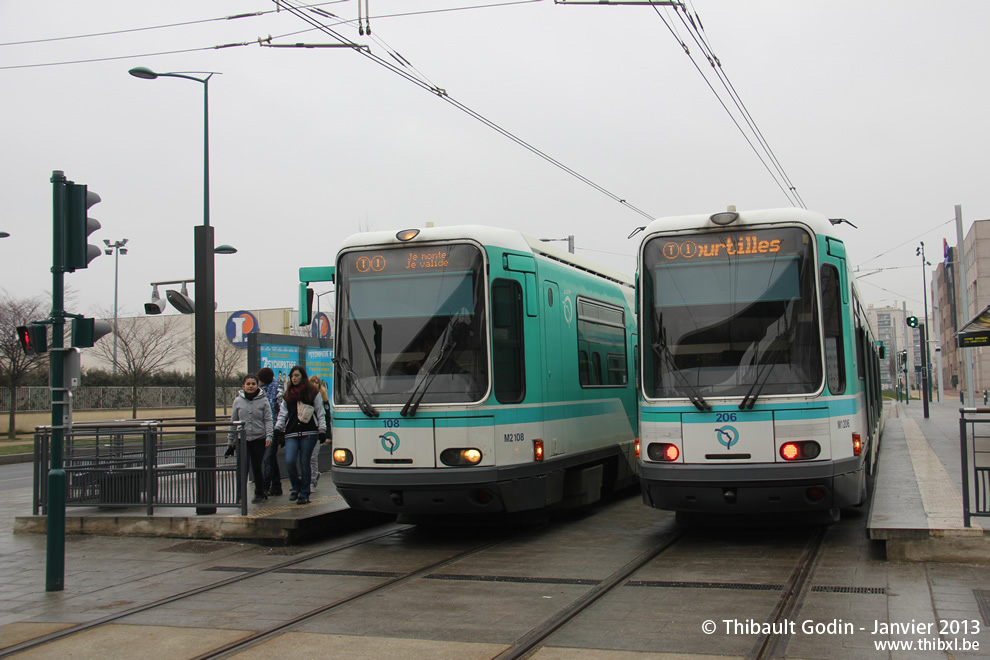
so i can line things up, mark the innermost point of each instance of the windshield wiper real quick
(766, 368)
(362, 398)
(364, 341)
(447, 343)
(692, 393)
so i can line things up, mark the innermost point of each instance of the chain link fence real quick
(38, 399)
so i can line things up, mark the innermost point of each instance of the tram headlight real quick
(803, 450)
(342, 457)
(664, 452)
(460, 456)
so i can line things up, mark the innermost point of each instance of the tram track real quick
(792, 596)
(792, 591)
(375, 534)
(795, 590)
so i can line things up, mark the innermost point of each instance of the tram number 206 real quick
(514, 437)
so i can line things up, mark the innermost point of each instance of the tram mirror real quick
(883, 352)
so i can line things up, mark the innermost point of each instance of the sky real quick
(875, 111)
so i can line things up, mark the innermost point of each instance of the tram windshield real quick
(411, 326)
(731, 313)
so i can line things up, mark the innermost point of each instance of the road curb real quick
(11, 459)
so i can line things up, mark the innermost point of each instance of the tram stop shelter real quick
(976, 332)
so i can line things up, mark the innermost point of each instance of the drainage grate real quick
(849, 590)
(329, 571)
(309, 571)
(511, 578)
(983, 600)
(195, 547)
(704, 585)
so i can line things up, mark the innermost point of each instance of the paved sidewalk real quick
(917, 506)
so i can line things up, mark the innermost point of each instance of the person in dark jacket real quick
(273, 476)
(302, 423)
(252, 408)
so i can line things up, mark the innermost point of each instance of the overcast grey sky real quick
(876, 111)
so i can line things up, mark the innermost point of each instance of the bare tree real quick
(145, 346)
(228, 360)
(15, 366)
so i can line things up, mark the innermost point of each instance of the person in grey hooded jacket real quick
(251, 407)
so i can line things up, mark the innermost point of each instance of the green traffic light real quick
(912, 321)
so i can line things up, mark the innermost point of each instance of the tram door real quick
(553, 436)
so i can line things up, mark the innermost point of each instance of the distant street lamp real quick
(116, 249)
(926, 393)
(205, 324)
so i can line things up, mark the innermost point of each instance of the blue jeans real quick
(273, 476)
(298, 453)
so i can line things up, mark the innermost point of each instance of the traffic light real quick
(33, 338)
(86, 331)
(78, 227)
(305, 304)
(912, 321)
(902, 356)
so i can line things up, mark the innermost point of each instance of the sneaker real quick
(259, 498)
(275, 492)
(293, 497)
(302, 500)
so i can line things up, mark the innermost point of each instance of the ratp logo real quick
(239, 326)
(390, 442)
(727, 436)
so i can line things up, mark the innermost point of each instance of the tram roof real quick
(817, 222)
(486, 235)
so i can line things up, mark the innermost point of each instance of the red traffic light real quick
(33, 338)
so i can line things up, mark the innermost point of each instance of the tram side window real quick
(508, 356)
(835, 363)
(601, 333)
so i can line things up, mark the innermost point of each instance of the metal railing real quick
(974, 447)
(146, 463)
(38, 399)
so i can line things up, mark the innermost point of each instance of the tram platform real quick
(916, 507)
(276, 521)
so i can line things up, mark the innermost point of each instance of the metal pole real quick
(55, 558)
(116, 269)
(924, 368)
(205, 328)
(924, 349)
(963, 316)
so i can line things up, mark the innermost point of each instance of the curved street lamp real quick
(205, 323)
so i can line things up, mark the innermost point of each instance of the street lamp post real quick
(925, 391)
(116, 249)
(205, 324)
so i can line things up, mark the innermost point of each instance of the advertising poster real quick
(279, 359)
(319, 362)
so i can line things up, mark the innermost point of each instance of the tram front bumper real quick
(813, 486)
(454, 491)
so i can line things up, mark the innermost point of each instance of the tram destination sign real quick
(758, 243)
(409, 260)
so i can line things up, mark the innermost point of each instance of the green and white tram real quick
(479, 371)
(760, 389)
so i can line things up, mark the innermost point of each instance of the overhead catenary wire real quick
(910, 240)
(441, 93)
(695, 28)
(692, 21)
(158, 27)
